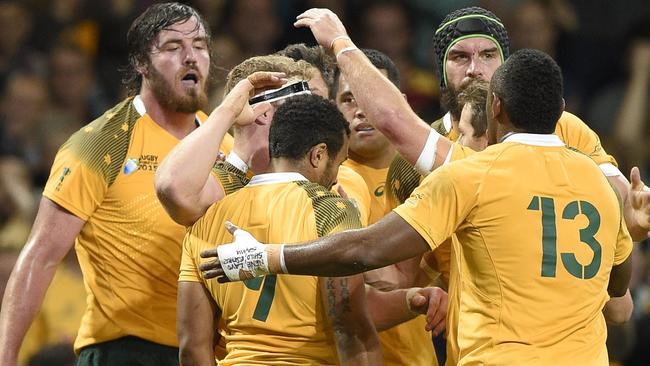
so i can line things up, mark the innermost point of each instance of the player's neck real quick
(454, 124)
(379, 160)
(282, 165)
(177, 124)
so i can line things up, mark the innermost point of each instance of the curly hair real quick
(144, 30)
(465, 23)
(530, 87)
(304, 121)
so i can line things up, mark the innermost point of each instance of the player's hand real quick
(432, 302)
(324, 25)
(639, 197)
(237, 99)
(236, 261)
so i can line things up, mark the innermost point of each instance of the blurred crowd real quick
(60, 64)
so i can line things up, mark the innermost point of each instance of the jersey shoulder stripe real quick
(331, 210)
(231, 178)
(402, 179)
(102, 145)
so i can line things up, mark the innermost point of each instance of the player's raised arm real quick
(183, 182)
(382, 102)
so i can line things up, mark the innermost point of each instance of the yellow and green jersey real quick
(277, 319)
(406, 343)
(538, 230)
(357, 191)
(129, 248)
(375, 180)
(402, 180)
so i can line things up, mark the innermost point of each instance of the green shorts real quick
(128, 351)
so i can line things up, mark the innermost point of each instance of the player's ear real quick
(142, 69)
(563, 104)
(496, 106)
(265, 118)
(405, 97)
(318, 155)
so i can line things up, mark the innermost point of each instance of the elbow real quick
(619, 317)
(618, 310)
(186, 356)
(188, 351)
(176, 204)
(167, 190)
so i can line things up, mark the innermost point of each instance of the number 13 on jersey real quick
(549, 236)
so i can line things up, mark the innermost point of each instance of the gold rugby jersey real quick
(129, 248)
(277, 319)
(539, 229)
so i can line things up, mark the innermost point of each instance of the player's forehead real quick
(474, 44)
(189, 28)
(317, 84)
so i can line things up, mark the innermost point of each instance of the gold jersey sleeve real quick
(277, 319)
(375, 180)
(404, 344)
(576, 134)
(357, 191)
(229, 177)
(539, 229)
(401, 181)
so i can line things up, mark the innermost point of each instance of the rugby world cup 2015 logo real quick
(131, 166)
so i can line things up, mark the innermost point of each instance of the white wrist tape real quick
(610, 170)
(337, 38)
(410, 294)
(424, 164)
(241, 261)
(346, 49)
(283, 266)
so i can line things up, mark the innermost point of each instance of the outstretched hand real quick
(237, 258)
(639, 198)
(237, 98)
(324, 25)
(432, 302)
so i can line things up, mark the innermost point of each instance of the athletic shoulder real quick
(333, 213)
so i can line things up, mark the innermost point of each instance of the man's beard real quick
(449, 101)
(190, 101)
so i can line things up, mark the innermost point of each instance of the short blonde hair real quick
(293, 69)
